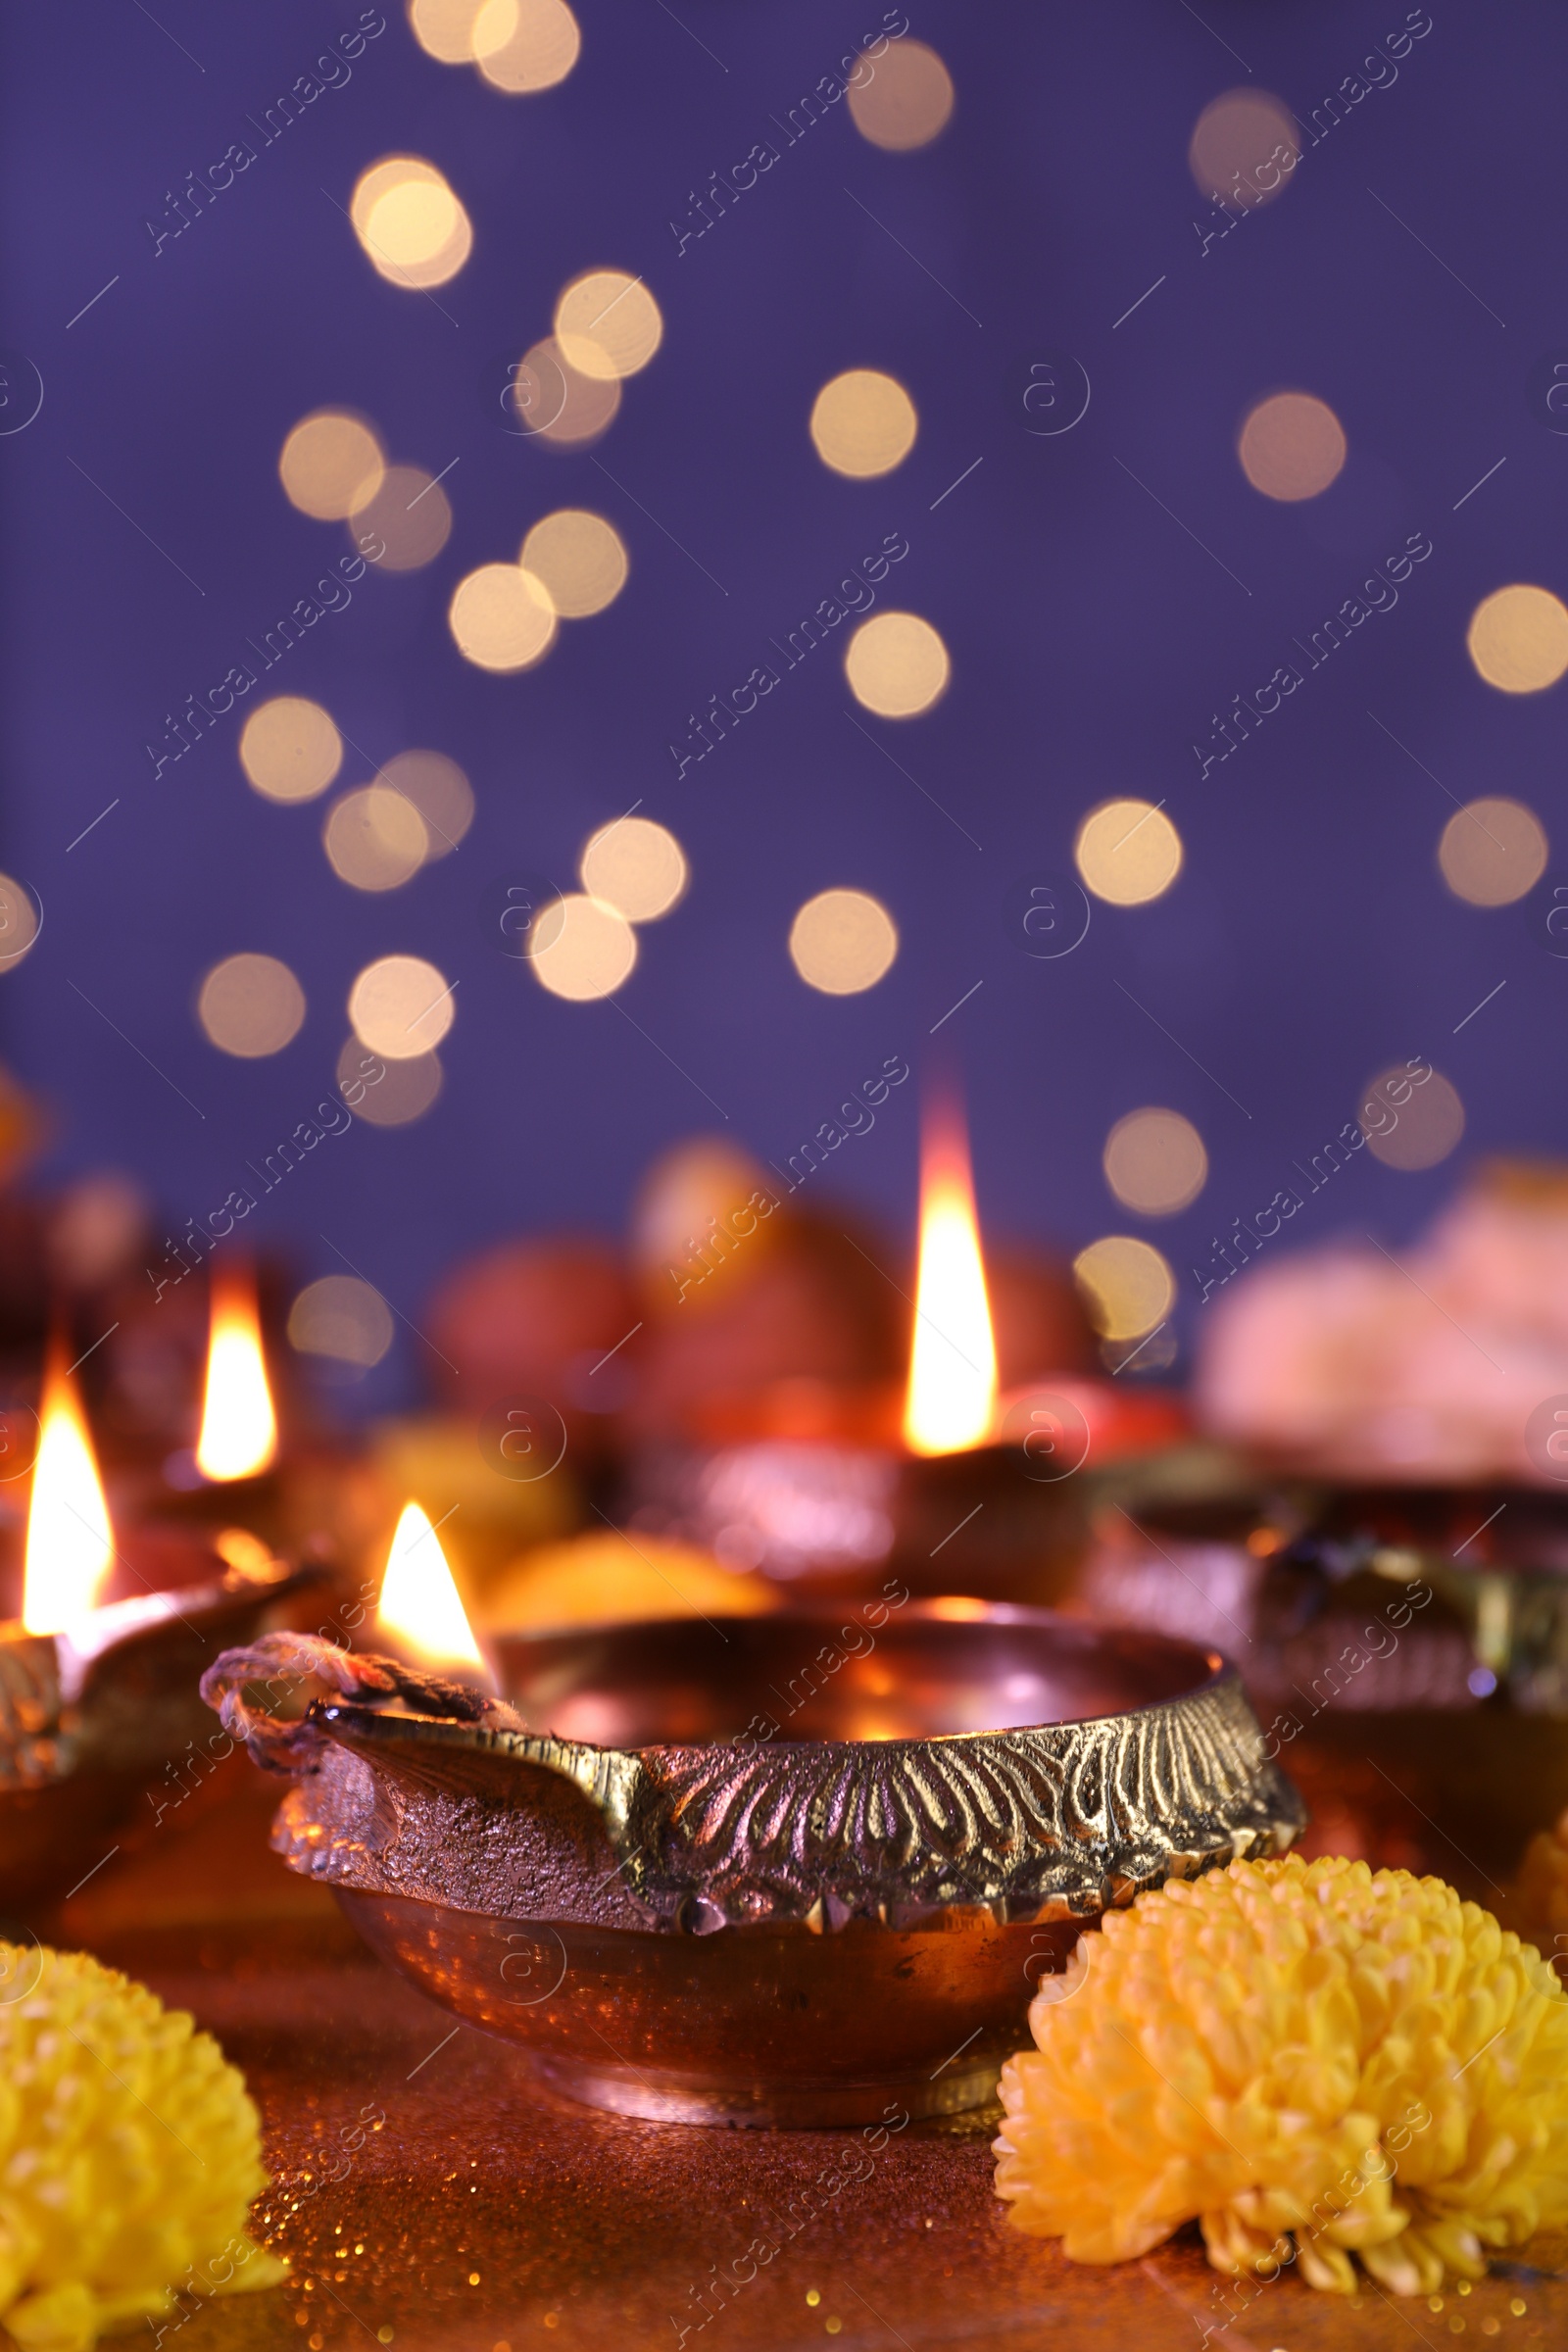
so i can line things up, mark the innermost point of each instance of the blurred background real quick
(1067, 261)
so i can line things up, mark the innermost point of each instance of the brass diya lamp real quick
(775, 1870)
(97, 1700)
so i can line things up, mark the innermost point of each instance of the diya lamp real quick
(97, 1672)
(964, 1489)
(1405, 1644)
(779, 1869)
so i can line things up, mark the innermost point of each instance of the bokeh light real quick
(526, 45)
(441, 793)
(896, 664)
(864, 424)
(582, 947)
(1518, 639)
(401, 1007)
(251, 1005)
(607, 324)
(502, 617)
(1155, 1162)
(1292, 446)
(444, 28)
(1128, 851)
(20, 922)
(1491, 852)
(1409, 1126)
(388, 1094)
(579, 558)
(289, 749)
(374, 838)
(843, 941)
(906, 98)
(1126, 1286)
(342, 1318)
(410, 221)
(409, 513)
(330, 464)
(1243, 149)
(634, 867)
(557, 404)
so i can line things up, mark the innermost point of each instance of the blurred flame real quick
(420, 1611)
(239, 1548)
(240, 1428)
(70, 1544)
(953, 1357)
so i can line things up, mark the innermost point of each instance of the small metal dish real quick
(783, 1870)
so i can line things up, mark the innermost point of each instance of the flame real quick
(238, 1548)
(420, 1612)
(71, 1546)
(240, 1428)
(952, 1357)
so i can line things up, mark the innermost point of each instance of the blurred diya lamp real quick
(1291, 1550)
(98, 1673)
(798, 1869)
(959, 1488)
(1405, 1646)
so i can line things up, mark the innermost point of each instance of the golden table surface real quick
(428, 2196)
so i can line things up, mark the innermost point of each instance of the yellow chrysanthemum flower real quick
(129, 2153)
(1308, 2059)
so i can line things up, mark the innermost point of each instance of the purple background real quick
(1309, 940)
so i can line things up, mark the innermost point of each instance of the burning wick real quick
(71, 1547)
(953, 1357)
(420, 1614)
(240, 1428)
